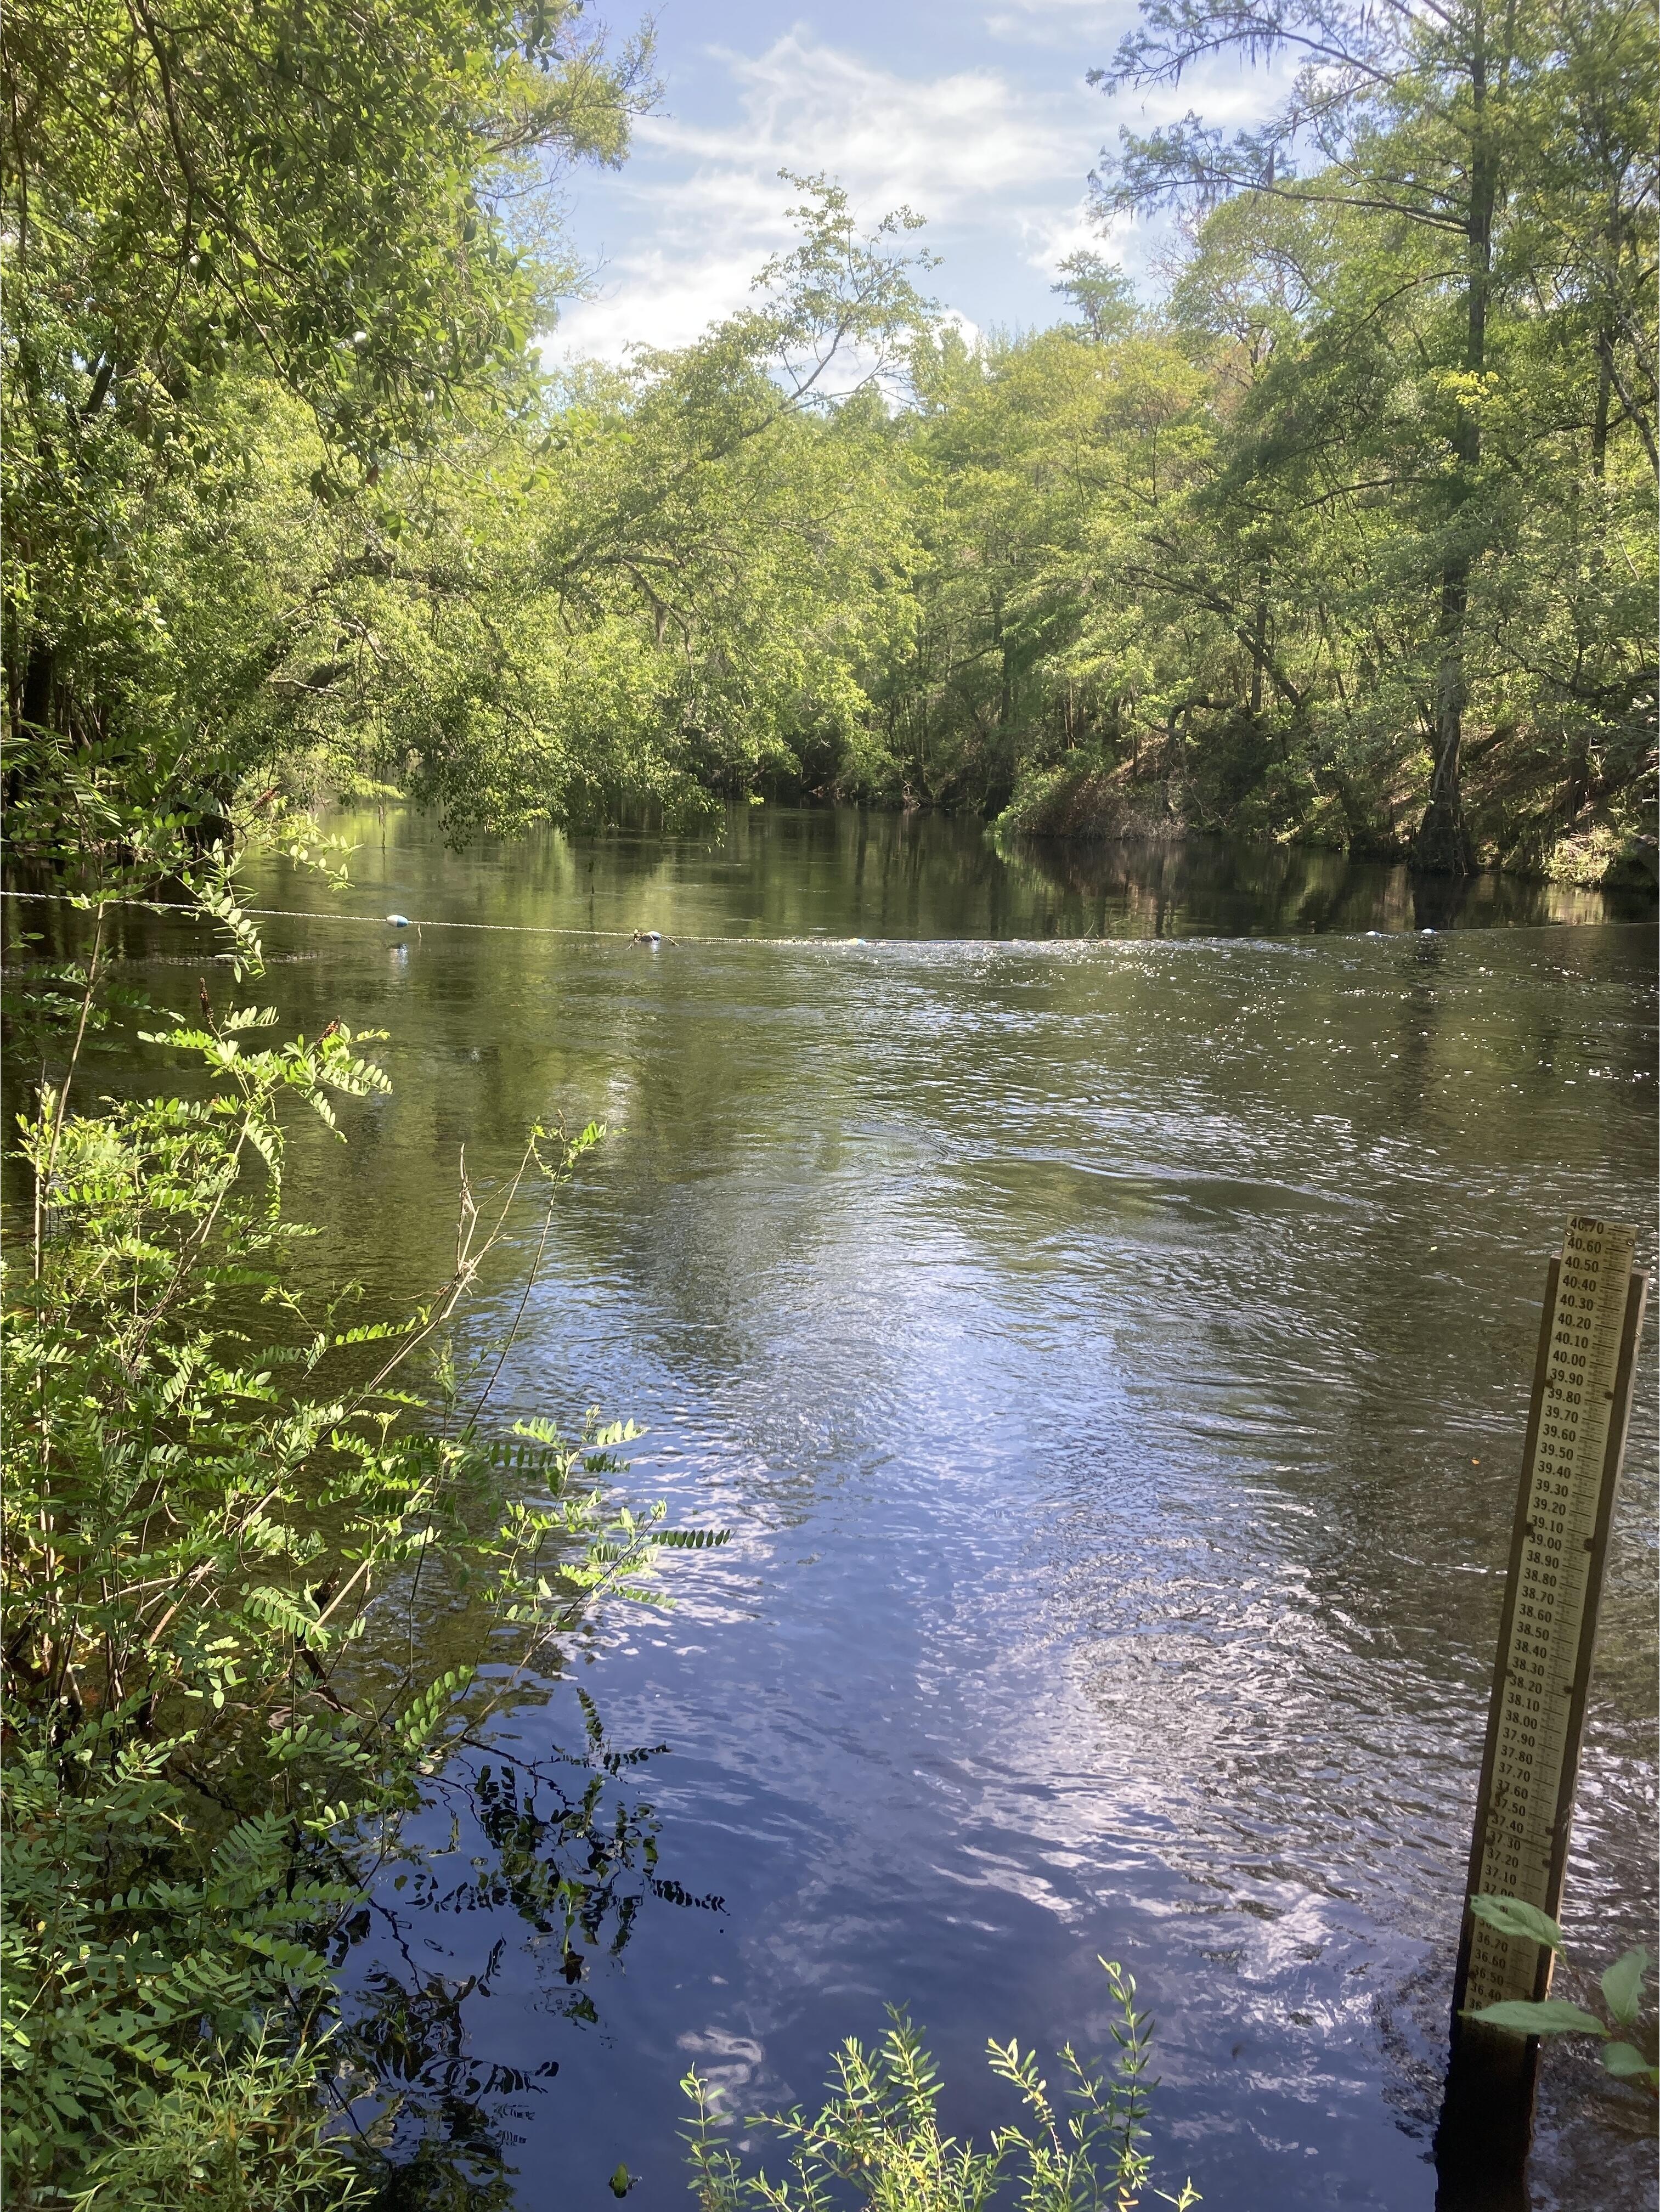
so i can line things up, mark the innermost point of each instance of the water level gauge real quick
(1575, 1439)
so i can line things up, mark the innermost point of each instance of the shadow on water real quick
(519, 1869)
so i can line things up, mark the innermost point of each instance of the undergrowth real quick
(225, 1508)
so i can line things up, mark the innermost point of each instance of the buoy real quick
(398, 921)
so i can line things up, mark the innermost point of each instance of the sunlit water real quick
(1110, 1350)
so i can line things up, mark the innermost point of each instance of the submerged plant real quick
(878, 2133)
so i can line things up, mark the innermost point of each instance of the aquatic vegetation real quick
(878, 2133)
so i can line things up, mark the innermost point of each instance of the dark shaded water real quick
(1112, 1358)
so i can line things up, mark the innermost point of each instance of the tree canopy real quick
(214, 211)
(1347, 536)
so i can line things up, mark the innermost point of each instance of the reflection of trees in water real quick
(1161, 887)
(784, 871)
(568, 1860)
(1197, 884)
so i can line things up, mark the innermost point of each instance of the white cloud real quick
(941, 142)
(1050, 235)
(652, 297)
(707, 205)
(1100, 23)
(996, 162)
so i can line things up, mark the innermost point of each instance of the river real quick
(1100, 1299)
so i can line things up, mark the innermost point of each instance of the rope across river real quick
(652, 939)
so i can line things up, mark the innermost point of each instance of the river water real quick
(1101, 1302)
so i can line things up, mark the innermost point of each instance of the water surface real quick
(1110, 1350)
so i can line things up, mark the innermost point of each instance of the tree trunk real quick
(1443, 845)
(35, 706)
(1261, 654)
(1599, 428)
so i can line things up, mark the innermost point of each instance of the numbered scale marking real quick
(1576, 1434)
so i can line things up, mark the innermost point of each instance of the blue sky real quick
(977, 116)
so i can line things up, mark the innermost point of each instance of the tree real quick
(1425, 121)
(323, 199)
(656, 586)
(1100, 293)
(1416, 120)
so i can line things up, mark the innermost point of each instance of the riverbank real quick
(877, 873)
(1522, 824)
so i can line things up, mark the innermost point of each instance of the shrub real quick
(879, 2133)
(224, 1514)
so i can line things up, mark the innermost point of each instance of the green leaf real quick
(1553, 2017)
(1622, 1985)
(1511, 1915)
(1628, 2064)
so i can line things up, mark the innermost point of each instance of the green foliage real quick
(672, 576)
(561, 1843)
(621, 591)
(1622, 1986)
(1286, 558)
(879, 2133)
(256, 258)
(223, 1515)
(319, 191)
(1514, 1916)
(228, 2136)
(1349, 539)
(1474, 193)
(1102, 296)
